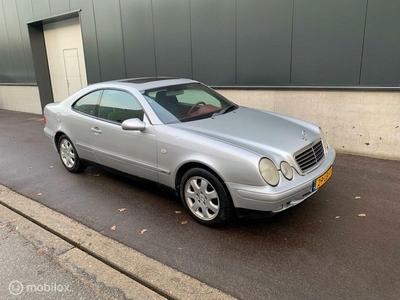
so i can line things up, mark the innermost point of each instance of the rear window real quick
(88, 104)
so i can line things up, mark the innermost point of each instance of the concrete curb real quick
(103, 281)
(151, 274)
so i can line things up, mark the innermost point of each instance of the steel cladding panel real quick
(89, 37)
(264, 33)
(41, 9)
(59, 6)
(6, 66)
(225, 42)
(137, 28)
(25, 15)
(381, 56)
(109, 39)
(327, 42)
(213, 41)
(15, 41)
(172, 38)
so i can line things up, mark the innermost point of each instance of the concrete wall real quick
(358, 122)
(20, 98)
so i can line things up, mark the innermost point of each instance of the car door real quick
(132, 152)
(77, 124)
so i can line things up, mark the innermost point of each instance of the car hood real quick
(265, 133)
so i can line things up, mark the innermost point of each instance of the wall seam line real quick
(363, 43)
(123, 40)
(154, 38)
(97, 42)
(291, 48)
(191, 38)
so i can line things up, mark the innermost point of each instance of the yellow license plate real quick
(320, 181)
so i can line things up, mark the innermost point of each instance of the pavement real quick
(341, 243)
(32, 266)
(47, 255)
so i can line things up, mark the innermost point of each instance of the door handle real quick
(96, 130)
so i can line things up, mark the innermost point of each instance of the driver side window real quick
(192, 96)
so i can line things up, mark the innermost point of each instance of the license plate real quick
(320, 181)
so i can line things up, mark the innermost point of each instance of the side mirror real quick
(133, 124)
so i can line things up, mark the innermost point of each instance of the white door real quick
(64, 49)
(72, 70)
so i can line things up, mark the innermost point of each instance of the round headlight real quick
(324, 139)
(286, 170)
(269, 172)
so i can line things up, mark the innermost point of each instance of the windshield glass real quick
(187, 102)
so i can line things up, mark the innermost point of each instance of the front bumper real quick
(281, 197)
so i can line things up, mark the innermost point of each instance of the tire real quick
(206, 198)
(68, 155)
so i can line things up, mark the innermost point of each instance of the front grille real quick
(310, 157)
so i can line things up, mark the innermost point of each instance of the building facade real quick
(332, 62)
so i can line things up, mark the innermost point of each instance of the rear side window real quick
(88, 104)
(118, 106)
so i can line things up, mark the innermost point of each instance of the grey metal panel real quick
(7, 68)
(197, 38)
(264, 33)
(172, 38)
(89, 37)
(25, 14)
(61, 17)
(109, 39)
(15, 41)
(41, 9)
(214, 41)
(40, 61)
(59, 7)
(327, 42)
(381, 56)
(1, 73)
(137, 28)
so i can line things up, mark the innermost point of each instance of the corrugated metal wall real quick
(220, 42)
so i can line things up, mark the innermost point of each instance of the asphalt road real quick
(342, 243)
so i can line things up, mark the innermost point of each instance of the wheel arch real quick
(57, 138)
(191, 165)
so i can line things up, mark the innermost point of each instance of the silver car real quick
(221, 159)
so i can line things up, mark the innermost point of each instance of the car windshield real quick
(187, 102)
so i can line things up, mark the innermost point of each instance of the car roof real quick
(145, 83)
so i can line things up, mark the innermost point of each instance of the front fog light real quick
(269, 172)
(286, 170)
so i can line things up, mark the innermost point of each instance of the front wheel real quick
(206, 198)
(69, 156)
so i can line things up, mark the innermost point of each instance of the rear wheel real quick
(69, 156)
(206, 198)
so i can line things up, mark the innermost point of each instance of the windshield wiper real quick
(226, 109)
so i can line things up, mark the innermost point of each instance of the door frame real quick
(38, 47)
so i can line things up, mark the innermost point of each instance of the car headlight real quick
(324, 139)
(269, 172)
(286, 170)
